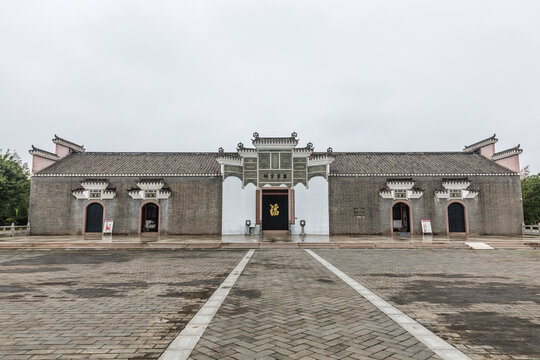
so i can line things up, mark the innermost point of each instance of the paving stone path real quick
(120, 304)
(102, 304)
(486, 303)
(287, 306)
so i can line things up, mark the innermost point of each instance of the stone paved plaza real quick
(130, 304)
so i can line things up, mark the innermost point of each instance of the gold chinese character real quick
(274, 210)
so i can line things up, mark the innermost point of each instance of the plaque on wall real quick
(360, 212)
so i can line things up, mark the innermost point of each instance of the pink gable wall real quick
(488, 150)
(62, 151)
(511, 163)
(39, 163)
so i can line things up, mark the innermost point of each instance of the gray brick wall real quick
(194, 206)
(497, 210)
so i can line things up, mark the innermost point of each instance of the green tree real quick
(530, 189)
(14, 189)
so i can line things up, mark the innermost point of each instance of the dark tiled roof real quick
(479, 144)
(43, 153)
(507, 153)
(58, 140)
(407, 164)
(162, 164)
(93, 163)
(274, 140)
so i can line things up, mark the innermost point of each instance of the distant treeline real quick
(14, 189)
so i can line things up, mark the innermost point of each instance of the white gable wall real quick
(238, 206)
(311, 205)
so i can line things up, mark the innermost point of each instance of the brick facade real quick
(194, 206)
(190, 190)
(497, 210)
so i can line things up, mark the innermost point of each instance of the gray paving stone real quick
(290, 303)
(102, 304)
(485, 304)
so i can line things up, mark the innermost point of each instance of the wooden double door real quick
(275, 209)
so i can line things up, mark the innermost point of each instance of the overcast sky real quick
(195, 75)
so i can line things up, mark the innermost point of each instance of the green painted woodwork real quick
(250, 174)
(300, 163)
(264, 160)
(318, 168)
(312, 175)
(275, 168)
(275, 160)
(286, 160)
(300, 181)
(300, 174)
(250, 163)
(232, 170)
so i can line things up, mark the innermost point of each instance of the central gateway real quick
(275, 185)
(275, 210)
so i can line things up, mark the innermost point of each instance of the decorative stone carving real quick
(320, 160)
(94, 189)
(403, 189)
(302, 152)
(456, 189)
(386, 194)
(400, 184)
(150, 184)
(150, 190)
(458, 184)
(225, 159)
(95, 184)
(274, 161)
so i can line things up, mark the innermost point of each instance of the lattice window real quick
(95, 194)
(150, 194)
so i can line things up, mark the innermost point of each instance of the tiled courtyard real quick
(130, 304)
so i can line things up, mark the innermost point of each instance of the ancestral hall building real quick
(275, 184)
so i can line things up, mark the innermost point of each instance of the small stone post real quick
(12, 229)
